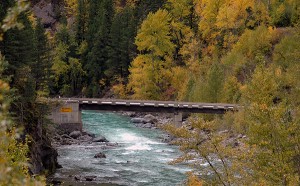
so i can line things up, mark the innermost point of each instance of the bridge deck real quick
(151, 106)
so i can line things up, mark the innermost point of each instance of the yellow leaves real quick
(59, 65)
(71, 7)
(3, 86)
(179, 81)
(278, 72)
(208, 11)
(180, 8)
(233, 13)
(231, 90)
(154, 35)
(190, 53)
(32, 19)
(223, 21)
(120, 89)
(179, 132)
(13, 160)
(255, 42)
(193, 180)
(150, 72)
(263, 107)
(119, 5)
(10, 21)
(138, 76)
(149, 77)
(263, 87)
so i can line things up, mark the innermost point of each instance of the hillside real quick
(234, 51)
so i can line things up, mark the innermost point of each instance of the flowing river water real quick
(139, 159)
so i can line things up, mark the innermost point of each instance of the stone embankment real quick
(80, 138)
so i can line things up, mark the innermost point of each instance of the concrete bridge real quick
(68, 112)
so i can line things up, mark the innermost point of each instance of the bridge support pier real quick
(178, 119)
(67, 116)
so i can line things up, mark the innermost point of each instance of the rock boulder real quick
(100, 139)
(137, 120)
(90, 178)
(75, 134)
(149, 119)
(100, 155)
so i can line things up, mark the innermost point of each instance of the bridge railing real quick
(151, 103)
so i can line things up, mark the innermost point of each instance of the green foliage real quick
(121, 49)
(286, 53)
(214, 84)
(231, 90)
(41, 66)
(68, 70)
(253, 48)
(81, 20)
(13, 152)
(144, 7)
(9, 14)
(259, 144)
(211, 152)
(272, 128)
(98, 32)
(209, 50)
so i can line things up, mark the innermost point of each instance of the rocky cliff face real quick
(48, 11)
(43, 157)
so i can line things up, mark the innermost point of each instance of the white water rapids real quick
(139, 159)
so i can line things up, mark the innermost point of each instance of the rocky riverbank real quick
(80, 138)
(141, 120)
(62, 138)
(158, 120)
(153, 121)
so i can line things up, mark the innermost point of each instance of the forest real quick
(245, 52)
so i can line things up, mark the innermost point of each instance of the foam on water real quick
(138, 146)
(139, 158)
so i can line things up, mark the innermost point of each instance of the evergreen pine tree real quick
(40, 67)
(81, 21)
(122, 48)
(98, 31)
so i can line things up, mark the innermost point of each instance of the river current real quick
(139, 159)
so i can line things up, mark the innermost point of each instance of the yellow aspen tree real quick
(149, 71)
(208, 11)
(186, 59)
(272, 129)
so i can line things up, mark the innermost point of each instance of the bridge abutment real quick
(67, 116)
(178, 119)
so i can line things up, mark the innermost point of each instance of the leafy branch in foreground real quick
(13, 152)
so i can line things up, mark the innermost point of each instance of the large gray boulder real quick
(75, 134)
(89, 134)
(100, 155)
(100, 139)
(45, 11)
(137, 120)
(85, 138)
(149, 119)
(147, 125)
(90, 178)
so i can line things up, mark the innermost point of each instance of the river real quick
(140, 159)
